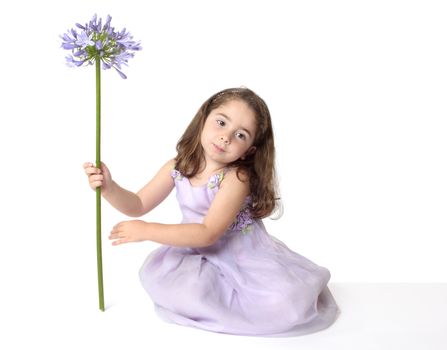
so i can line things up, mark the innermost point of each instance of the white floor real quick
(374, 316)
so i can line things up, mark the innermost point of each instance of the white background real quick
(356, 90)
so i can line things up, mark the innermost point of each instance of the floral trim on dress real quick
(176, 175)
(244, 220)
(215, 180)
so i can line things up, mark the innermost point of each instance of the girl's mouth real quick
(218, 149)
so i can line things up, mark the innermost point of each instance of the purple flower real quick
(84, 40)
(176, 175)
(96, 41)
(215, 180)
(244, 220)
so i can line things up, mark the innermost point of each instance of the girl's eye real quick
(240, 136)
(220, 122)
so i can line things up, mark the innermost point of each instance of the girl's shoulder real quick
(170, 164)
(168, 168)
(236, 177)
(237, 174)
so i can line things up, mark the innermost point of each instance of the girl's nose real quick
(225, 139)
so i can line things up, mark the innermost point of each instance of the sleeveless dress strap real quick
(176, 175)
(213, 181)
(216, 179)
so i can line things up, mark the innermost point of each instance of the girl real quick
(219, 269)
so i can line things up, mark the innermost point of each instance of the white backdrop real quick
(357, 94)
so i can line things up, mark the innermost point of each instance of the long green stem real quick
(98, 189)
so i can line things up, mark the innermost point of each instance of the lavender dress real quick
(247, 283)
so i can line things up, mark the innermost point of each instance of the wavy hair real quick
(259, 166)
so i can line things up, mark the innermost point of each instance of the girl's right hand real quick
(98, 177)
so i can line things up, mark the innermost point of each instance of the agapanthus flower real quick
(95, 43)
(94, 40)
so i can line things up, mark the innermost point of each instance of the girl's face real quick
(229, 133)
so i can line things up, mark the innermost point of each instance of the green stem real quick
(98, 189)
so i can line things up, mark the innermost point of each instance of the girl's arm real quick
(146, 199)
(156, 190)
(226, 205)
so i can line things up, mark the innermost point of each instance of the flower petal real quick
(106, 65)
(121, 73)
(107, 24)
(68, 46)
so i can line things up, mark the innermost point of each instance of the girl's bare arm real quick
(127, 202)
(223, 210)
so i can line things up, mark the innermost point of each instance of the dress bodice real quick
(194, 201)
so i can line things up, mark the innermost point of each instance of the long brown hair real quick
(259, 166)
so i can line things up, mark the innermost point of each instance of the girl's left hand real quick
(128, 231)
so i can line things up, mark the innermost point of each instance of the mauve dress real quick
(247, 283)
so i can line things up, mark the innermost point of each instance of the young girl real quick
(219, 269)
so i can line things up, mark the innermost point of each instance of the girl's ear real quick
(249, 152)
